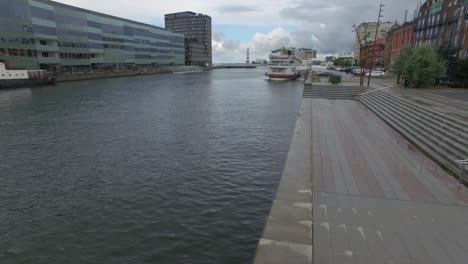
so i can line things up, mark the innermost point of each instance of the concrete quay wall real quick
(287, 237)
(102, 75)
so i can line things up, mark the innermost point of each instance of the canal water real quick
(177, 168)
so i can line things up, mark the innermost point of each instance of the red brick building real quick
(375, 52)
(388, 46)
(403, 37)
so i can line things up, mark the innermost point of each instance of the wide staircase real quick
(444, 138)
(332, 91)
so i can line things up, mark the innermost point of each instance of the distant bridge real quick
(234, 66)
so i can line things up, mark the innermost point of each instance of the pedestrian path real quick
(354, 190)
(377, 198)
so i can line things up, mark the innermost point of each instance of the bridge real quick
(234, 66)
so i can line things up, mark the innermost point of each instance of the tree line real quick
(340, 62)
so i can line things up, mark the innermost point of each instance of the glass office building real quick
(49, 35)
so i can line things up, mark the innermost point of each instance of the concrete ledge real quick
(278, 252)
(287, 237)
(104, 75)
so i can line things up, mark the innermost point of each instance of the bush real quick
(335, 79)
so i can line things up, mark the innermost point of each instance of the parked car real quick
(324, 73)
(376, 74)
(356, 71)
(348, 70)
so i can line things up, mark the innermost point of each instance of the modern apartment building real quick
(306, 54)
(366, 33)
(49, 35)
(197, 31)
(443, 22)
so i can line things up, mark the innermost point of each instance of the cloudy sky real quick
(262, 25)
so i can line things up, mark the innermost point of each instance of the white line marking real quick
(361, 231)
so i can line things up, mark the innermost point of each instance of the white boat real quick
(18, 78)
(283, 65)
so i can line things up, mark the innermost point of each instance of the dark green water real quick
(150, 169)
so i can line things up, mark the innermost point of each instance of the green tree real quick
(449, 55)
(343, 62)
(459, 78)
(424, 67)
(398, 66)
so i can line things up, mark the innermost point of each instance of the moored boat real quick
(283, 63)
(21, 78)
(282, 73)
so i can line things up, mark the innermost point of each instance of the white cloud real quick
(260, 45)
(325, 26)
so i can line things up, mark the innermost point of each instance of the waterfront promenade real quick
(373, 196)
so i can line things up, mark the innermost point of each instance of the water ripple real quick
(149, 169)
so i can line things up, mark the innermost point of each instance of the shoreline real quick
(107, 75)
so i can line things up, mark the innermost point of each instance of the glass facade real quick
(49, 35)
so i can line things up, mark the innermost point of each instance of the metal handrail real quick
(371, 91)
(462, 161)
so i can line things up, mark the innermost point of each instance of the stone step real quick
(331, 97)
(420, 117)
(443, 159)
(334, 91)
(332, 94)
(440, 139)
(459, 124)
(437, 154)
(335, 88)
